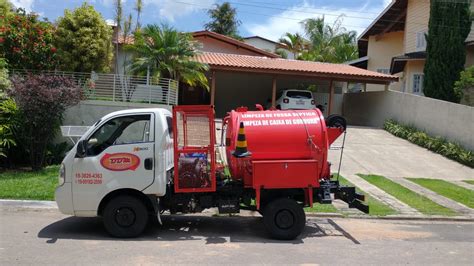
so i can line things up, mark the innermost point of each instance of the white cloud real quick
(171, 9)
(25, 4)
(289, 20)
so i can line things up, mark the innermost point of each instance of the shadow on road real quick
(214, 230)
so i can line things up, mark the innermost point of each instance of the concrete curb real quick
(44, 204)
(28, 204)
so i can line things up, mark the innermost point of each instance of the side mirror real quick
(81, 149)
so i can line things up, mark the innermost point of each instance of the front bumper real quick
(63, 197)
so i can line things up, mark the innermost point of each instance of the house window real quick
(384, 71)
(421, 41)
(418, 83)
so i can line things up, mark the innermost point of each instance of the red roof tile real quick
(292, 67)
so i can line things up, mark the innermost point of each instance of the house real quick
(394, 43)
(268, 45)
(241, 74)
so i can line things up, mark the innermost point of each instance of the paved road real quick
(47, 237)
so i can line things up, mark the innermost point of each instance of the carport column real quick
(213, 87)
(331, 93)
(274, 91)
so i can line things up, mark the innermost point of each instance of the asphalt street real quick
(44, 236)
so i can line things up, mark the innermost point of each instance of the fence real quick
(119, 88)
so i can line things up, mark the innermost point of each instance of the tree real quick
(42, 100)
(26, 42)
(294, 43)
(5, 7)
(329, 43)
(167, 53)
(8, 111)
(223, 20)
(448, 27)
(138, 8)
(465, 86)
(83, 40)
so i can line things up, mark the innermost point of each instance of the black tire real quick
(284, 219)
(125, 216)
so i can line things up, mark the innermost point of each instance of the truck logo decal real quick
(120, 161)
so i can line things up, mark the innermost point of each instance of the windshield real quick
(299, 94)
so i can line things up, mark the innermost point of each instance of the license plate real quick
(300, 102)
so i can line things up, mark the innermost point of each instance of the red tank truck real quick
(140, 162)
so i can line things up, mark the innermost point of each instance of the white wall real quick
(86, 113)
(267, 46)
(439, 118)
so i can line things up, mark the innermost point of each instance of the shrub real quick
(439, 145)
(26, 42)
(465, 86)
(42, 100)
(8, 123)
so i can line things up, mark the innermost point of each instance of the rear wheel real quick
(284, 219)
(125, 216)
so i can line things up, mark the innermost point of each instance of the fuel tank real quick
(277, 135)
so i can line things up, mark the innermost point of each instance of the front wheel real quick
(125, 216)
(284, 219)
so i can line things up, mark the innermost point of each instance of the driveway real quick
(375, 151)
(48, 237)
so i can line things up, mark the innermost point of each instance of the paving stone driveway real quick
(375, 151)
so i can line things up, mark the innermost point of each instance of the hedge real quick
(439, 145)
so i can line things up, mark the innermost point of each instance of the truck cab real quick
(130, 149)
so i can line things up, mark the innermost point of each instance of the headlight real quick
(62, 174)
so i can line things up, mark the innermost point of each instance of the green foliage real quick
(443, 66)
(465, 86)
(8, 124)
(26, 42)
(168, 54)
(328, 43)
(42, 100)
(441, 146)
(295, 43)
(4, 80)
(5, 7)
(38, 185)
(223, 20)
(84, 40)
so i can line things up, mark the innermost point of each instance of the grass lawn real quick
(469, 181)
(324, 208)
(376, 208)
(449, 190)
(29, 185)
(412, 199)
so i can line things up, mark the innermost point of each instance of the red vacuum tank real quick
(279, 135)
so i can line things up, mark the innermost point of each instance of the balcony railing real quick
(119, 88)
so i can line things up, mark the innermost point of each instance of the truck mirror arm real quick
(81, 149)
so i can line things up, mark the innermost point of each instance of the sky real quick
(266, 18)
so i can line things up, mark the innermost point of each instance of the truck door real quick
(119, 154)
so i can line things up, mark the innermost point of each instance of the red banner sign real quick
(120, 161)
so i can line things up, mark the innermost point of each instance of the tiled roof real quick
(233, 41)
(291, 67)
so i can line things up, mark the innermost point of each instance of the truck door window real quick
(120, 130)
(169, 122)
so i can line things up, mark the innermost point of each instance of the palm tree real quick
(294, 43)
(223, 20)
(329, 43)
(167, 53)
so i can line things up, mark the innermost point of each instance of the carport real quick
(241, 80)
